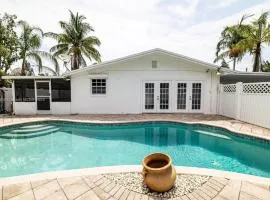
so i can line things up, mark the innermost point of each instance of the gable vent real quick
(154, 63)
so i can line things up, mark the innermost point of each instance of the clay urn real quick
(158, 172)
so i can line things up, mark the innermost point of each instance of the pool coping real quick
(130, 168)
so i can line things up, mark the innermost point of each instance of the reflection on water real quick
(57, 146)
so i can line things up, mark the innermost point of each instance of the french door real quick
(189, 97)
(161, 96)
(157, 96)
(43, 96)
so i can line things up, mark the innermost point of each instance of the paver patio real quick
(97, 187)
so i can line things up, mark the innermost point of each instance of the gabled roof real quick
(144, 53)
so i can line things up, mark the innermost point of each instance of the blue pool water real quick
(50, 146)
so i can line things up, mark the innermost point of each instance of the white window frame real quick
(97, 94)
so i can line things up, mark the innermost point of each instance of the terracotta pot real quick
(158, 171)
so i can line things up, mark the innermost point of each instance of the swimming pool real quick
(57, 145)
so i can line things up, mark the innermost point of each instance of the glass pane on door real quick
(43, 103)
(196, 96)
(149, 92)
(43, 89)
(181, 96)
(164, 96)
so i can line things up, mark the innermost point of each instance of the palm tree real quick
(226, 47)
(29, 44)
(255, 35)
(75, 41)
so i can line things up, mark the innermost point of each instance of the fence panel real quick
(249, 102)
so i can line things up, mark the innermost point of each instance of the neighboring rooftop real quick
(245, 77)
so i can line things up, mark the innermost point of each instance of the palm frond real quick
(34, 56)
(51, 35)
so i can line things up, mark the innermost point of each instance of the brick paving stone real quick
(104, 184)
(111, 198)
(138, 196)
(100, 181)
(220, 185)
(101, 194)
(114, 190)
(131, 195)
(192, 197)
(109, 187)
(197, 196)
(59, 195)
(118, 194)
(89, 180)
(207, 192)
(73, 187)
(255, 191)
(210, 191)
(35, 184)
(245, 196)
(45, 190)
(184, 197)
(98, 177)
(28, 195)
(223, 181)
(202, 194)
(230, 191)
(15, 189)
(90, 195)
(214, 186)
(125, 194)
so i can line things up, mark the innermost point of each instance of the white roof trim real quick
(98, 75)
(31, 77)
(157, 50)
(247, 73)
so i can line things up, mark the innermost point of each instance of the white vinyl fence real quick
(248, 102)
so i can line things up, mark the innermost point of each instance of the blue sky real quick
(188, 27)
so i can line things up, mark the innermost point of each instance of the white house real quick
(154, 81)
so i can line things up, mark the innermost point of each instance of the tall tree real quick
(230, 37)
(8, 42)
(29, 45)
(75, 41)
(255, 36)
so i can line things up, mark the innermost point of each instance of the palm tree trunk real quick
(257, 58)
(234, 63)
(23, 67)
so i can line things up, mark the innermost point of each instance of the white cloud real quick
(184, 9)
(223, 3)
(126, 26)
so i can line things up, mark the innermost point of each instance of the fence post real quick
(239, 90)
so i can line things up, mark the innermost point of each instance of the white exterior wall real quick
(24, 108)
(60, 108)
(125, 85)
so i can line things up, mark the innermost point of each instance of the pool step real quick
(28, 135)
(30, 130)
(33, 126)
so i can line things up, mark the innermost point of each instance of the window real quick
(98, 86)
(60, 90)
(24, 90)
